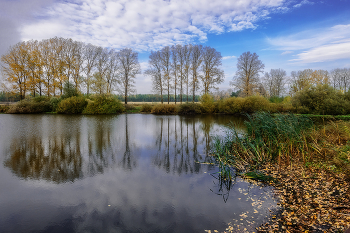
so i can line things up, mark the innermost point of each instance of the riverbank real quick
(309, 165)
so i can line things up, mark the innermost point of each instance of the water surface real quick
(120, 173)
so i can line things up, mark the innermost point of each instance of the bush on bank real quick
(146, 108)
(322, 99)
(189, 109)
(38, 104)
(207, 103)
(4, 108)
(164, 109)
(72, 105)
(237, 105)
(103, 104)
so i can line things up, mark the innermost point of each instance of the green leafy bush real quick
(38, 104)
(54, 103)
(72, 105)
(189, 109)
(321, 99)
(207, 103)
(104, 104)
(164, 109)
(4, 108)
(146, 108)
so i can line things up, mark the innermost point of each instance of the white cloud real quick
(324, 53)
(286, 52)
(146, 24)
(317, 45)
(304, 2)
(228, 57)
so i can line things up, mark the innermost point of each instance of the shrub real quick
(129, 107)
(38, 104)
(207, 103)
(255, 103)
(146, 108)
(72, 105)
(321, 99)
(164, 109)
(189, 109)
(4, 108)
(236, 105)
(54, 103)
(104, 104)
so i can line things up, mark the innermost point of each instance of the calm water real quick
(123, 173)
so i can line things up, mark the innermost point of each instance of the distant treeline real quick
(157, 98)
(9, 97)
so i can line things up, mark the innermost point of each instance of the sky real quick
(291, 35)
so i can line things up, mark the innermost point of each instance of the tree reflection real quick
(128, 161)
(178, 144)
(69, 148)
(55, 159)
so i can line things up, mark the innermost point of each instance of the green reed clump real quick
(189, 109)
(38, 104)
(164, 109)
(268, 139)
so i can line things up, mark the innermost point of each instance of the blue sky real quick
(292, 35)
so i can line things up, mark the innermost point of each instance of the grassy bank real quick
(308, 164)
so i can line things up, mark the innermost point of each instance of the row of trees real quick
(179, 71)
(42, 67)
(183, 69)
(275, 82)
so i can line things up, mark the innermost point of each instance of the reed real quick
(285, 139)
(268, 139)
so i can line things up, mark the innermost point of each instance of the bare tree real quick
(90, 58)
(247, 75)
(129, 67)
(155, 71)
(341, 78)
(181, 67)
(187, 51)
(320, 77)
(112, 70)
(300, 80)
(166, 67)
(212, 74)
(175, 66)
(196, 60)
(274, 82)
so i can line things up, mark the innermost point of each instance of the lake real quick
(121, 173)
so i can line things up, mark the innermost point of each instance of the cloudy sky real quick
(291, 35)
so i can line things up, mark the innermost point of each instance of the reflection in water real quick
(126, 173)
(62, 155)
(54, 159)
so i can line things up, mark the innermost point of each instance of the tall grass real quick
(268, 139)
